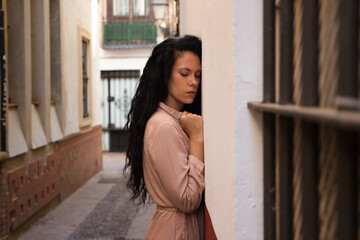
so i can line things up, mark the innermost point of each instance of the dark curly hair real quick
(151, 90)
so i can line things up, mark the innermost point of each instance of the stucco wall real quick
(214, 24)
(111, 64)
(75, 15)
(124, 59)
(231, 31)
(190, 16)
(95, 52)
(248, 69)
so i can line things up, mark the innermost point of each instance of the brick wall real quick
(74, 161)
(81, 159)
(30, 191)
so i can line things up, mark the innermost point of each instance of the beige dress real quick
(173, 178)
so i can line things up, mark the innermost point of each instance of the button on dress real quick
(173, 178)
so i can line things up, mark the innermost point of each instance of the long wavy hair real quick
(153, 88)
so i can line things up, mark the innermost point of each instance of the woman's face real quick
(184, 80)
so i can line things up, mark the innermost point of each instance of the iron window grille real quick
(118, 89)
(85, 79)
(311, 119)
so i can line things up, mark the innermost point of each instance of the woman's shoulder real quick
(160, 118)
(161, 121)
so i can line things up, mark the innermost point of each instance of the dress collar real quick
(176, 114)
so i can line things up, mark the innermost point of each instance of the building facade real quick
(53, 131)
(280, 89)
(129, 31)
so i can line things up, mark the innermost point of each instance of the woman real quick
(165, 149)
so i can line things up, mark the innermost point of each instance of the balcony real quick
(129, 35)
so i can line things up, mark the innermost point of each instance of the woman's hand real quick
(192, 125)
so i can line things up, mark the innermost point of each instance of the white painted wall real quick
(69, 66)
(124, 59)
(231, 31)
(214, 24)
(126, 53)
(96, 84)
(248, 58)
(191, 13)
(110, 64)
(75, 15)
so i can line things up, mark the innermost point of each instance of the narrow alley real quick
(277, 87)
(100, 209)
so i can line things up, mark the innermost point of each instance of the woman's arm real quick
(197, 148)
(181, 175)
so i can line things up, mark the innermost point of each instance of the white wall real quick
(231, 31)
(214, 24)
(111, 64)
(69, 69)
(125, 53)
(95, 51)
(75, 15)
(191, 13)
(124, 59)
(248, 54)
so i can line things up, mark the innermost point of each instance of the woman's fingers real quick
(192, 124)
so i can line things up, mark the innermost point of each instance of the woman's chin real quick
(189, 101)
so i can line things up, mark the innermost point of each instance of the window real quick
(120, 7)
(311, 119)
(141, 7)
(84, 78)
(129, 11)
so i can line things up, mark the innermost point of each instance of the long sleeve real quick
(182, 175)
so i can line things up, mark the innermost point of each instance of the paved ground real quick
(99, 210)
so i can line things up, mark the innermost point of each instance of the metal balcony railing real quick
(130, 31)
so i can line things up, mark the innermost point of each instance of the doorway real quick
(118, 89)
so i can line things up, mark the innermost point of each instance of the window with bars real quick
(311, 119)
(85, 78)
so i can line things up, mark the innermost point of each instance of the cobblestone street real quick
(99, 210)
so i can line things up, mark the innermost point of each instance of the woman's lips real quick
(191, 93)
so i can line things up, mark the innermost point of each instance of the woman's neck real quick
(173, 104)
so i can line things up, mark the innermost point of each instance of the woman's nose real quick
(194, 81)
